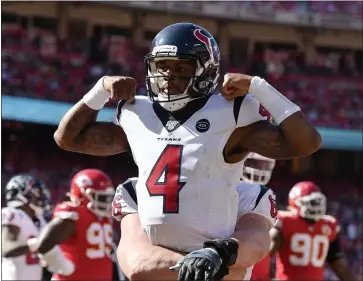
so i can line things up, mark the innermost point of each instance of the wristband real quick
(276, 103)
(97, 97)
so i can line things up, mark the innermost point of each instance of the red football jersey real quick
(261, 270)
(304, 246)
(89, 249)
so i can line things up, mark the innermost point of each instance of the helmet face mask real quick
(40, 202)
(27, 190)
(100, 201)
(94, 189)
(312, 206)
(179, 43)
(257, 169)
(307, 200)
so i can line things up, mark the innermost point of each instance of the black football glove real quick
(199, 265)
(209, 263)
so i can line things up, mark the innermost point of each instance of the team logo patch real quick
(205, 40)
(273, 209)
(202, 125)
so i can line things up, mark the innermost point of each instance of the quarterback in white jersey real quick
(186, 191)
(187, 141)
(22, 219)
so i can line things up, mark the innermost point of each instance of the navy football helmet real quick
(183, 41)
(25, 189)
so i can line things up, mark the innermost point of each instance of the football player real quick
(26, 198)
(305, 238)
(77, 242)
(258, 169)
(187, 142)
(232, 256)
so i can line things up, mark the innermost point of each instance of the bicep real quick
(101, 139)
(266, 139)
(133, 243)
(55, 232)
(132, 234)
(254, 226)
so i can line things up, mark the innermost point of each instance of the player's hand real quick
(198, 265)
(235, 85)
(121, 87)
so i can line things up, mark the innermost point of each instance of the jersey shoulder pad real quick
(125, 200)
(282, 217)
(249, 110)
(66, 210)
(283, 214)
(140, 102)
(258, 199)
(332, 221)
(12, 216)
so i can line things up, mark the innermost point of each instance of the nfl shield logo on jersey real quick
(171, 125)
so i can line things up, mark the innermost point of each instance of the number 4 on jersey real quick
(164, 179)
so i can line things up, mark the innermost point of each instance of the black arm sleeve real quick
(334, 252)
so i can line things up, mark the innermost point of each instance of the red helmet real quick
(307, 200)
(257, 169)
(93, 188)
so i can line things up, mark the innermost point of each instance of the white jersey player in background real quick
(26, 199)
(258, 169)
(188, 142)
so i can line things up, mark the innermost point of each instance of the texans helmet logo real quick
(205, 40)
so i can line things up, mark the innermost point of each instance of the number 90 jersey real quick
(184, 185)
(90, 247)
(305, 246)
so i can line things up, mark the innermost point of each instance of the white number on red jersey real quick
(308, 250)
(100, 237)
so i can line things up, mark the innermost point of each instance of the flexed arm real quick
(79, 131)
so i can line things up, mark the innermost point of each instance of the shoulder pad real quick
(66, 210)
(329, 218)
(122, 106)
(333, 221)
(283, 214)
(125, 200)
(258, 199)
(250, 111)
(12, 216)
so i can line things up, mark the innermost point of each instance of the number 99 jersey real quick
(305, 246)
(90, 247)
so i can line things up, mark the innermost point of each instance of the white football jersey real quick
(25, 267)
(186, 192)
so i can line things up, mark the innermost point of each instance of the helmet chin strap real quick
(174, 105)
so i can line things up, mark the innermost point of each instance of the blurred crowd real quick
(35, 63)
(353, 8)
